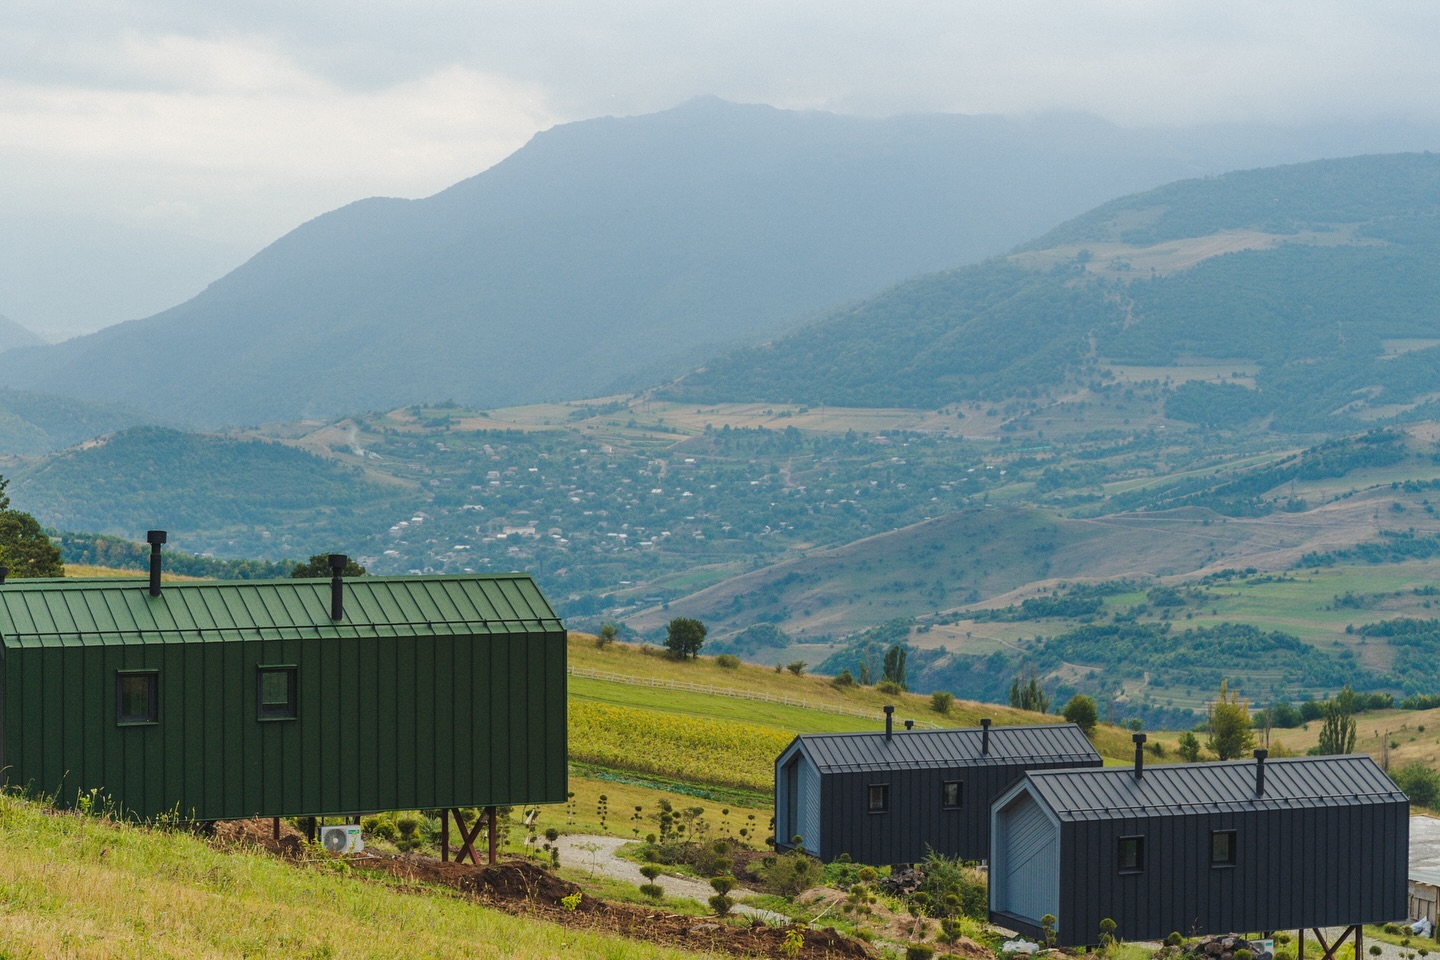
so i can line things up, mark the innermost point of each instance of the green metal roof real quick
(79, 612)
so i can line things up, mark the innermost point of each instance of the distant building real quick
(1208, 848)
(891, 797)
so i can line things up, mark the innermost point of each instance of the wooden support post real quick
(490, 815)
(468, 838)
(1301, 938)
(310, 831)
(1332, 949)
(1359, 942)
(275, 829)
(445, 837)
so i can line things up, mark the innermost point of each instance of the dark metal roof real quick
(912, 749)
(1113, 792)
(80, 612)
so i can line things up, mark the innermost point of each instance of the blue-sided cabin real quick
(887, 798)
(1201, 849)
(305, 697)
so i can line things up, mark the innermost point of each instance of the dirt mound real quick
(260, 832)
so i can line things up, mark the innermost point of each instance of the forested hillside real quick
(1329, 292)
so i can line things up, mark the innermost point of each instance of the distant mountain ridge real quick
(14, 335)
(602, 248)
(1323, 275)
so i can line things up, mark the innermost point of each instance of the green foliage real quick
(25, 548)
(1081, 711)
(102, 551)
(319, 566)
(889, 687)
(684, 636)
(1027, 694)
(895, 665)
(797, 667)
(790, 874)
(1230, 731)
(941, 701)
(728, 660)
(1337, 731)
(843, 679)
(1189, 748)
(953, 888)
(1420, 783)
(607, 633)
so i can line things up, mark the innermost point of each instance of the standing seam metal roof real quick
(61, 613)
(856, 752)
(1113, 792)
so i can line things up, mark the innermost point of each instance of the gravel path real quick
(597, 854)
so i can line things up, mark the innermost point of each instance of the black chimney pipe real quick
(889, 715)
(1139, 739)
(154, 538)
(1260, 756)
(909, 724)
(4, 572)
(337, 585)
(985, 737)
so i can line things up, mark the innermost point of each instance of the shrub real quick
(1081, 712)
(728, 660)
(796, 667)
(1243, 954)
(890, 687)
(791, 874)
(606, 636)
(721, 903)
(941, 701)
(1420, 783)
(843, 679)
(919, 952)
(1174, 940)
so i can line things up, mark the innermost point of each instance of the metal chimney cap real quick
(1261, 754)
(889, 709)
(154, 537)
(985, 721)
(909, 724)
(1138, 737)
(338, 562)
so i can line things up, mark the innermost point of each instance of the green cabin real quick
(225, 700)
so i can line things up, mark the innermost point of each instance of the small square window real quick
(137, 696)
(1131, 855)
(277, 694)
(1222, 848)
(877, 798)
(951, 794)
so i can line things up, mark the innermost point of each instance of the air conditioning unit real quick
(344, 839)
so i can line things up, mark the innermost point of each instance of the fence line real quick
(689, 686)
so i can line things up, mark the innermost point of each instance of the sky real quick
(167, 140)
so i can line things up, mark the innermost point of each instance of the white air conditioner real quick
(344, 839)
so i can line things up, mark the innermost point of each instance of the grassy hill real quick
(1313, 281)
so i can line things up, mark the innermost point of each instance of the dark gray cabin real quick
(1202, 849)
(889, 797)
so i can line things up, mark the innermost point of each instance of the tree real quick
(1337, 730)
(24, 548)
(606, 636)
(1081, 712)
(319, 566)
(684, 636)
(895, 666)
(1027, 694)
(1230, 732)
(1190, 747)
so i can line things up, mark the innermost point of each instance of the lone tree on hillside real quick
(684, 636)
(1027, 694)
(1230, 732)
(1081, 711)
(895, 666)
(1337, 731)
(319, 566)
(24, 548)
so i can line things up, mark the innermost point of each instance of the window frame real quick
(1139, 840)
(1234, 848)
(291, 710)
(959, 786)
(884, 789)
(152, 715)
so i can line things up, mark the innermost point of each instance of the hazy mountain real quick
(607, 247)
(37, 423)
(13, 335)
(1322, 277)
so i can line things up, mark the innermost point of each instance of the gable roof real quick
(79, 612)
(913, 749)
(1114, 793)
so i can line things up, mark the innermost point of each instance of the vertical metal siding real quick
(1027, 870)
(808, 808)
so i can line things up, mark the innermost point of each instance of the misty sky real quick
(230, 123)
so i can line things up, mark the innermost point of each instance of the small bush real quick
(919, 952)
(728, 660)
(651, 890)
(941, 701)
(843, 679)
(1081, 711)
(796, 667)
(791, 874)
(1243, 954)
(890, 687)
